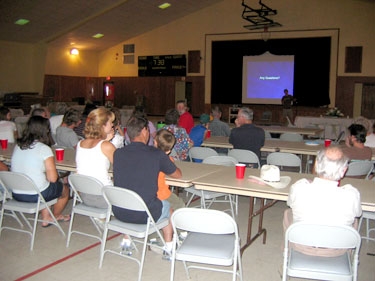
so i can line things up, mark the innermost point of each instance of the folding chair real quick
(291, 137)
(285, 159)
(343, 267)
(198, 153)
(90, 187)
(19, 181)
(246, 157)
(359, 169)
(128, 199)
(367, 215)
(212, 241)
(207, 198)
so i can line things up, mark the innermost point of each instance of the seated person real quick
(57, 115)
(8, 129)
(370, 136)
(34, 157)
(151, 127)
(186, 120)
(129, 166)
(183, 141)
(198, 133)
(86, 111)
(118, 139)
(218, 127)
(355, 148)
(323, 200)
(95, 153)
(65, 136)
(165, 141)
(246, 135)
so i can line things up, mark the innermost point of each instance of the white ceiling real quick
(62, 22)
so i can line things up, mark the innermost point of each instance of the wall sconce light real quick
(74, 52)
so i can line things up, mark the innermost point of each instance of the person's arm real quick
(3, 167)
(177, 174)
(108, 150)
(51, 172)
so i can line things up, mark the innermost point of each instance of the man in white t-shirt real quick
(323, 200)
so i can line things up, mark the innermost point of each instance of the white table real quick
(332, 126)
(225, 181)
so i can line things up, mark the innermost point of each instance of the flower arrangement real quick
(334, 112)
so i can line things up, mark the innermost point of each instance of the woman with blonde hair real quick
(95, 153)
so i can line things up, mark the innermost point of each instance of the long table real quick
(225, 181)
(295, 130)
(270, 145)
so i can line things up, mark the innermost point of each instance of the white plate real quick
(311, 143)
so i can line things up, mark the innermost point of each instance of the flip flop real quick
(64, 218)
(47, 225)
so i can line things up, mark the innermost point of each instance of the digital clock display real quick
(170, 65)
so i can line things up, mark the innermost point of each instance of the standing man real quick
(246, 135)
(287, 102)
(136, 166)
(186, 120)
(218, 127)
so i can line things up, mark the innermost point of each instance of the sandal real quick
(62, 218)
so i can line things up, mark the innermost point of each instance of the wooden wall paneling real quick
(51, 87)
(197, 99)
(72, 87)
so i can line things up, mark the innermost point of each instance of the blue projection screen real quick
(265, 77)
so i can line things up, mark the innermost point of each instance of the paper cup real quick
(327, 142)
(59, 154)
(4, 144)
(208, 134)
(240, 171)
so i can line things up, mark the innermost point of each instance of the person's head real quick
(216, 112)
(88, 108)
(286, 92)
(204, 119)
(40, 111)
(171, 117)
(137, 129)
(365, 123)
(164, 140)
(5, 113)
(99, 123)
(37, 129)
(61, 108)
(72, 117)
(181, 106)
(331, 163)
(245, 116)
(357, 133)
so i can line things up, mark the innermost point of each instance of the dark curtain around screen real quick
(311, 71)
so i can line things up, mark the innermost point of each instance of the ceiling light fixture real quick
(164, 5)
(74, 52)
(21, 21)
(98, 35)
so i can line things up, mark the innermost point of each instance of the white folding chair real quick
(359, 168)
(367, 215)
(85, 187)
(198, 153)
(128, 199)
(246, 157)
(291, 137)
(207, 198)
(12, 180)
(285, 159)
(212, 240)
(297, 264)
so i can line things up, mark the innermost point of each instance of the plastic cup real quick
(59, 154)
(240, 171)
(160, 124)
(208, 134)
(124, 130)
(327, 142)
(4, 144)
